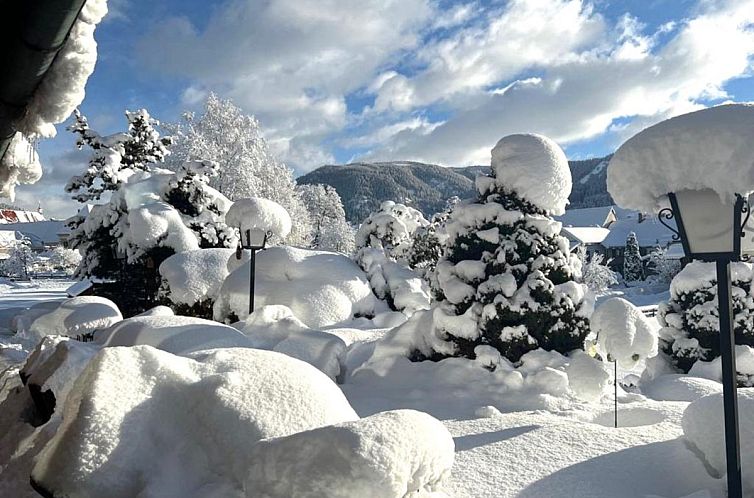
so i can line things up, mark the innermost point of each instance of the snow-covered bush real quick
(77, 316)
(633, 268)
(663, 268)
(63, 259)
(192, 279)
(402, 453)
(234, 140)
(507, 278)
(690, 325)
(218, 403)
(330, 230)
(429, 240)
(151, 214)
(623, 333)
(276, 328)
(322, 288)
(595, 271)
(390, 229)
(703, 427)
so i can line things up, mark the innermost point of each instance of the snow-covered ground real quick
(526, 443)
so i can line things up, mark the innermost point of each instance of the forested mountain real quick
(364, 186)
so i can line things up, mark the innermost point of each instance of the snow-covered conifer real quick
(507, 279)
(427, 244)
(20, 259)
(595, 272)
(664, 268)
(330, 230)
(390, 229)
(690, 325)
(633, 269)
(247, 167)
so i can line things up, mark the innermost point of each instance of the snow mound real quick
(588, 378)
(403, 287)
(392, 454)
(70, 317)
(677, 387)
(534, 167)
(623, 332)
(275, 328)
(143, 422)
(321, 288)
(703, 427)
(713, 370)
(259, 213)
(194, 276)
(175, 334)
(685, 153)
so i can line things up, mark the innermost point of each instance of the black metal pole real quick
(615, 394)
(728, 355)
(252, 270)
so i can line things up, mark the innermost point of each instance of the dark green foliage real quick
(633, 267)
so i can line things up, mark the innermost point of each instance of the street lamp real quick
(253, 239)
(711, 229)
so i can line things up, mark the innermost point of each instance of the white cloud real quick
(578, 98)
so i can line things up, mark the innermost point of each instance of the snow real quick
(274, 327)
(321, 288)
(677, 387)
(388, 455)
(140, 421)
(703, 427)
(684, 153)
(588, 378)
(534, 167)
(159, 224)
(71, 317)
(20, 164)
(194, 276)
(623, 332)
(586, 235)
(259, 213)
(713, 370)
(62, 88)
(404, 288)
(698, 275)
(588, 217)
(175, 334)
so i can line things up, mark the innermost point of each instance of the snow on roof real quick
(18, 216)
(711, 148)
(649, 233)
(46, 231)
(585, 235)
(8, 237)
(586, 217)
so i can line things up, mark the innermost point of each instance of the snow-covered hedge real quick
(690, 332)
(321, 288)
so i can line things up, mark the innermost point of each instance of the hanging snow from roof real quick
(20, 164)
(62, 88)
(711, 148)
(534, 167)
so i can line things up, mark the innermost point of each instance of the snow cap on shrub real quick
(684, 153)
(534, 167)
(257, 212)
(623, 332)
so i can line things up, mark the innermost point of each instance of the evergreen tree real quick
(427, 244)
(506, 279)
(247, 167)
(633, 268)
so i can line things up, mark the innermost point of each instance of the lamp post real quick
(711, 230)
(253, 239)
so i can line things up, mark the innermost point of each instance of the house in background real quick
(590, 238)
(603, 217)
(43, 234)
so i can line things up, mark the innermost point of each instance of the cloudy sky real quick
(440, 81)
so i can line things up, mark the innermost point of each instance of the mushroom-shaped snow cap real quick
(535, 168)
(259, 213)
(708, 149)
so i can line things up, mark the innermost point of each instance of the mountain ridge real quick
(364, 186)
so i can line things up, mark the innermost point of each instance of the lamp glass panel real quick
(747, 241)
(708, 221)
(257, 237)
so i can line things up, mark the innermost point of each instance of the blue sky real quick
(333, 81)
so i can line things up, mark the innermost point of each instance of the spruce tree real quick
(633, 268)
(506, 278)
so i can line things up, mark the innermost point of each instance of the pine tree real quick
(506, 279)
(247, 167)
(427, 244)
(633, 268)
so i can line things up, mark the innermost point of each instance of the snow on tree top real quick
(534, 167)
(257, 212)
(711, 148)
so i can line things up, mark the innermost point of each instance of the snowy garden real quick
(225, 332)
